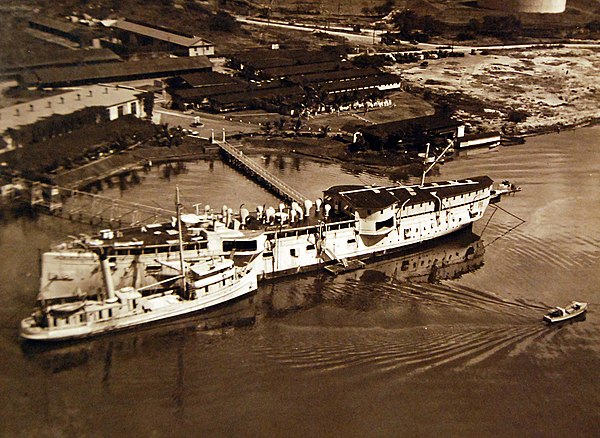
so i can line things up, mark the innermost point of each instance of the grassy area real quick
(330, 148)
(16, 43)
(406, 106)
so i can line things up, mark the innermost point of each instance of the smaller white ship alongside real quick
(207, 284)
(560, 314)
(204, 284)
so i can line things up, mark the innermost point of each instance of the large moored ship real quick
(352, 222)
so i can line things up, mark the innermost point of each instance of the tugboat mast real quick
(178, 209)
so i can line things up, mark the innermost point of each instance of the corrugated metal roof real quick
(62, 26)
(203, 92)
(302, 68)
(61, 57)
(207, 79)
(423, 123)
(115, 71)
(369, 81)
(162, 35)
(257, 94)
(262, 59)
(334, 75)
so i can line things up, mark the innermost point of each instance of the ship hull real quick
(243, 287)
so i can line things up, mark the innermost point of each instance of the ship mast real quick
(450, 144)
(182, 271)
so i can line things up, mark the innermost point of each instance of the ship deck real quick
(166, 233)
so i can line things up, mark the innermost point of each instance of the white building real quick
(118, 101)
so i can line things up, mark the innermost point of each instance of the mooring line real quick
(509, 213)
(488, 221)
(522, 221)
(504, 234)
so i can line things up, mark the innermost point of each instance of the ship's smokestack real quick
(108, 281)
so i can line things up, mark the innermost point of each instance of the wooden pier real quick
(259, 174)
(93, 209)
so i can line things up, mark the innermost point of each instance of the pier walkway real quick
(261, 176)
(94, 209)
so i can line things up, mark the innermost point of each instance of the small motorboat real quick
(504, 188)
(560, 314)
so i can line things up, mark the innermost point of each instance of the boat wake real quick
(379, 325)
(401, 353)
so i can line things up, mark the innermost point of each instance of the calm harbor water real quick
(397, 349)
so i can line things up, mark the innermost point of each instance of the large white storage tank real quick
(534, 6)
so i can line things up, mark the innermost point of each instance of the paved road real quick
(210, 122)
(366, 36)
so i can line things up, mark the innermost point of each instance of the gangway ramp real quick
(259, 174)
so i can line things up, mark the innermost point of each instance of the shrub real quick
(223, 22)
(516, 116)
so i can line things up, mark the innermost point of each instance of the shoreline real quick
(378, 163)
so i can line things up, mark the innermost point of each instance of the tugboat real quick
(205, 284)
(560, 314)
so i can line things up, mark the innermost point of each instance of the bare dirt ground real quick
(554, 86)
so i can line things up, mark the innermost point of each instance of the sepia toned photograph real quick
(301, 218)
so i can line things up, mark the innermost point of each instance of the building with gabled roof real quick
(64, 29)
(382, 81)
(409, 133)
(117, 101)
(207, 79)
(280, 97)
(60, 58)
(298, 69)
(333, 76)
(114, 72)
(136, 36)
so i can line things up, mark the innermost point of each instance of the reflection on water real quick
(64, 356)
(447, 258)
(172, 169)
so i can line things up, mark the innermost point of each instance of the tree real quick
(502, 26)
(385, 8)
(148, 102)
(223, 22)
(405, 22)
(593, 26)
(517, 116)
